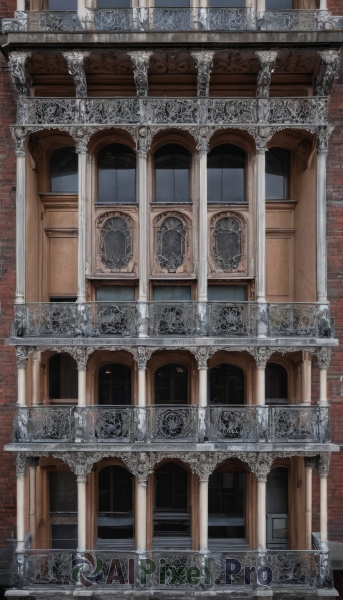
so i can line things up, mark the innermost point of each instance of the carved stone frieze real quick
(23, 353)
(21, 79)
(76, 65)
(140, 60)
(204, 63)
(329, 71)
(267, 60)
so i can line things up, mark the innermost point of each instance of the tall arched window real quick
(172, 163)
(115, 384)
(171, 384)
(277, 508)
(225, 174)
(63, 170)
(226, 505)
(276, 384)
(277, 174)
(171, 514)
(63, 377)
(115, 513)
(117, 175)
(226, 385)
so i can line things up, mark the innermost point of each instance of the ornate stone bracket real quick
(261, 355)
(323, 133)
(262, 135)
(204, 63)
(140, 61)
(329, 71)
(267, 60)
(324, 357)
(23, 353)
(76, 65)
(21, 79)
(260, 464)
(27, 459)
(80, 463)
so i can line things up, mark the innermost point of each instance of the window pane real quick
(277, 491)
(63, 492)
(114, 4)
(225, 174)
(117, 175)
(63, 377)
(115, 384)
(227, 3)
(226, 293)
(171, 487)
(62, 4)
(276, 384)
(116, 293)
(172, 3)
(279, 4)
(226, 385)
(225, 502)
(63, 170)
(277, 173)
(171, 385)
(171, 293)
(172, 164)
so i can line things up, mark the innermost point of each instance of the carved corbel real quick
(202, 354)
(323, 134)
(328, 72)
(310, 462)
(267, 60)
(141, 354)
(21, 79)
(140, 61)
(19, 135)
(261, 355)
(260, 464)
(324, 357)
(80, 463)
(202, 136)
(204, 62)
(323, 464)
(23, 353)
(140, 464)
(22, 462)
(262, 136)
(76, 65)
(205, 463)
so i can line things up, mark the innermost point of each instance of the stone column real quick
(81, 513)
(306, 377)
(141, 355)
(33, 462)
(260, 464)
(81, 149)
(324, 358)
(261, 356)
(260, 215)
(81, 356)
(23, 353)
(203, 513)
(36, 372)
(20, 225)
(21, 466)
(309, 464)
(141, 515)
(203, 147)
(143, 206)
(323, 472)
(260, 5)
(20, 4)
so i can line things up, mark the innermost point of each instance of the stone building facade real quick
(170, 298)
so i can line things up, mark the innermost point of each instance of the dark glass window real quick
(117, 175)
(276, 384)
(115, 518)
(62, 4)
(279, 4)
(172, 293)
(277, 491)
(114, 4)
(64, 170)
(225, 174)
(172, 164)
(171, 385)
(227, 3)
(116, 293)
(115, 384)
(63, 377)
(226, 385)
(63, 503)
(226, 505)
(171, 516)
(277, 173)
(172, 3)
(226, 293)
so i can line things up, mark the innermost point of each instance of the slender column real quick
(20, 227)
(260, 5)
(81, 149)
(81, 513)
(32, 508)
(321, 228)
(309, 464)
(141, 386)
(36, 367)
(143, 214)
(260, 224)
(261, 515)
(306, 376)
(82, 384)
(20, 4)
(203, 511)
(22, 353)
(323, 472)
(202, 386)
(261, 385)
(323, 357)
(21, 466)
(203, 227)
(323, 5)
(141, 515)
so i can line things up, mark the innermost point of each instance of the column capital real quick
(205, 463)
(262, 135)
(202, 136)
(328, 72)
(267, 60)
(310, 462)
(260, 464)
(19, 134)
(324, 357)
(81, 136)
(323, 134)
(261, 355)
(80, 353)
(140, 464)
(21, 79)
(75, 61)
(143, 141)
(204, 62)
(22, 354)
(141, 354)
(80, 463)
(323, 464)
(21, 461)
(140, 60)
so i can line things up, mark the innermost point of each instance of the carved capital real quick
(310, 462)
(324, 464)
(19, 135)
(140, 464)
(75, 61)
(328, 72)
(22, 462)
(140, 61)
(202, 136)
(80, 463)
(23, 353)
(141, 354)
(21, 79)
(143, 141)
(204, 63)
(204, 464)
(202, 354)
(324, 357)
(80, 353)
(81, 135)
(261, 354)
(262, 136)
(323, 134)
(267, 60)
(260, 464)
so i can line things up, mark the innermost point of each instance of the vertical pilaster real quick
(141, 515)
(75, 61)
(36, 371)
(21, 467)
(261, 465)
(81, 513)
(267, 60)
(324, 358)
(32, 506)
(260, 224)
(203, 147)
(323, 472)
(204, 63)
(81, 149)
(143, 207)
(306, 376)
(309, 464)
(22, 353)
(140, 61)
(20, 226)
(203, 513)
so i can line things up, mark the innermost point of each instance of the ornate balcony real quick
(301, 571)
(172, 111)
(159, 320)
(174, 423)
(172, 19)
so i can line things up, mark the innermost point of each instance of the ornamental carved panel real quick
(228, 243)
(171, 243)
(114, 251)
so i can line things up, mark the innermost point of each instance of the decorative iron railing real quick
(161, 571)
(173, 423)
(172, 19)
(163, 319)
(172, 111)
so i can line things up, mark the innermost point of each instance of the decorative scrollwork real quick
(76, 65)
(170, 243)
(329, 71)
(267, 60)
(115, 243)
(21, 79)
(204, 63)
(140, 60)
(227, 246)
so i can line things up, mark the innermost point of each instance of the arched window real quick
(277, 508)
(117, 175)
(276, 384)
(226, 505)
(115, 513)
(63, 170)
(63, 377)
(172, 163)
(171, 385)
(277, 174)
(171, 514)
(115, 384)
(225, 174)
(226, 385)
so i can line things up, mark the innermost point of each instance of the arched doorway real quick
(226, 509)
(114, 384)
(277, 509)
(171, 384)
(171, 510)
(115, 509)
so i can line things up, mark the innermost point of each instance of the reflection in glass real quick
(172, 164)
(226, 505)
(117, 175)
(171, 385)
(115, 384)
(172, 293)
(62, 4)
(225, 174)
(277, 173)
(63, 170)
(171, 515)
(276, 384)
(226, 385)
(227, 3)
(115, 293)
(279, 4)
(114, 4)
(115, 518)
(226, 293)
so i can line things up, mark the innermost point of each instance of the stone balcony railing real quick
(301, 571)
(163, 319)
(172, 19)
(173, 423)
(172, 111)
